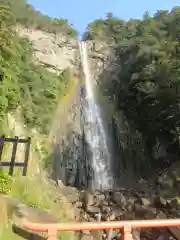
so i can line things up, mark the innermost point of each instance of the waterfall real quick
(94, 131)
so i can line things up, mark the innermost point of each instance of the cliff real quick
(55, 51)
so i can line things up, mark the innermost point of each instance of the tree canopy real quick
(24, 85)
(28, 16)
(147, 80)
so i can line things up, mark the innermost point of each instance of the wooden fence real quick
(13, 163)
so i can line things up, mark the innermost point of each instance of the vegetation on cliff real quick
(28, 16)
(144, 87)
(34, 92)
(24, 85)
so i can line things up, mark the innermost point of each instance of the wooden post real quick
(26, 160)
(1, 146)
(13, 156)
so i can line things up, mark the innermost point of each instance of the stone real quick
(110, 216)
(136, 234)
(79, 204)
(86, 237)
(165, 181)
(161, 215)
(143, 185)
(174, 203)
(77, 213)
(130, 205)
(111, 234)
(145, 202)
(93, 209)
(119, 199)
(151, 213)
(82, 196)
(105, 203)
(60, 184)
(85, 232)
(97, 235)
(160, 202)
(117, 211)
(140, 211)
(100, 199)
(88, 199)
(71, 193)
(106, 209)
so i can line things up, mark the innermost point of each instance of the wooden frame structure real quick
(13, 163)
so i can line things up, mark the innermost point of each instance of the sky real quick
(80, 13)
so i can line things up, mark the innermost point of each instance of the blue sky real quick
(80, 13)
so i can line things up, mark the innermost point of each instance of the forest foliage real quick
(28, 16)
(31, 88)
(146, 83)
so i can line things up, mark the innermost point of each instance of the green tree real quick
(146, 88)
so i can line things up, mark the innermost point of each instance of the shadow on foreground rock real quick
(25, 234)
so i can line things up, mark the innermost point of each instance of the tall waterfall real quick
(95, 134)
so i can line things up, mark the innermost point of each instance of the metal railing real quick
(126, 227)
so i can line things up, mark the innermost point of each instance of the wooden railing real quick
(125, 226)
(13, 163)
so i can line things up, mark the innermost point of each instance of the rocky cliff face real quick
(102, 60)
(55, 51)
(58, 52)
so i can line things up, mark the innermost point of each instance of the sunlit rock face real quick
(55, 51)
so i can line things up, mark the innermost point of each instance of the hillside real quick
(26, 15)
(33, 85)
(30, 83)
(141, 80)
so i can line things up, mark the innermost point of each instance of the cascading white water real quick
(94, 131)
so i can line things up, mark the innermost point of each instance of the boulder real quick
(145, 202)
(160, 202)
(165, 181)
(93, 209)
(119, 199)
